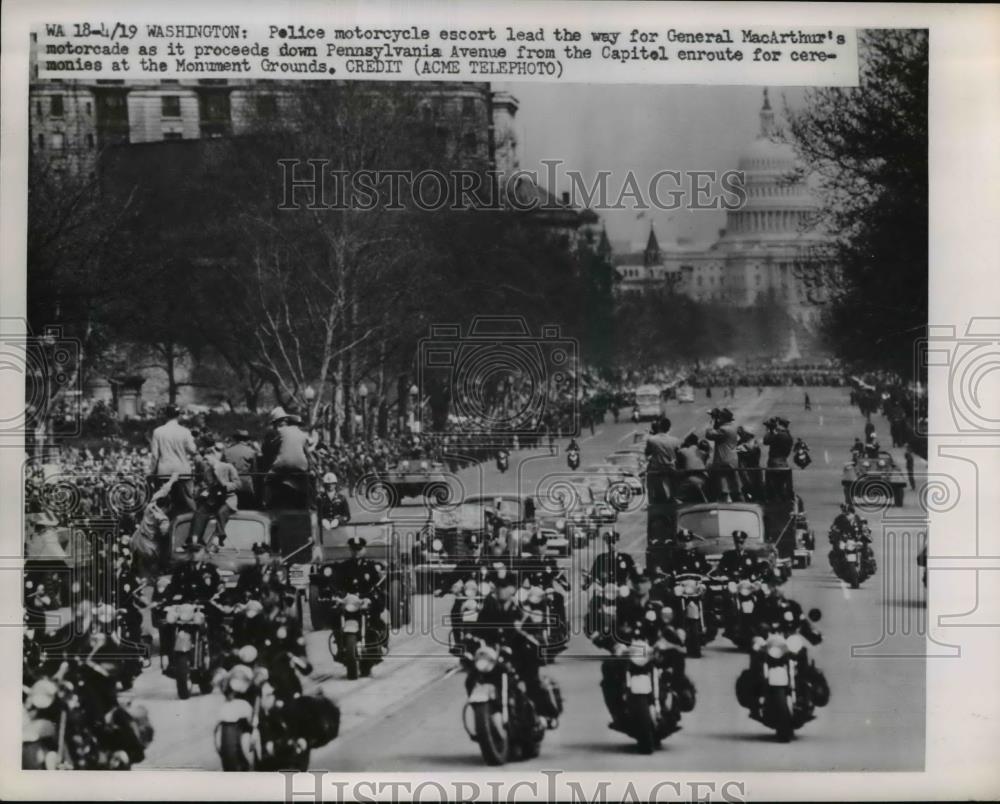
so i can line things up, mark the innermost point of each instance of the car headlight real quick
(486, 659)
(327, 572)
(437, 545)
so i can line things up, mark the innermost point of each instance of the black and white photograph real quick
(379, 425)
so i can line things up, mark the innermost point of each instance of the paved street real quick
(407, 717)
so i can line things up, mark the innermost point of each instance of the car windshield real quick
(241, 534)
(719, 523)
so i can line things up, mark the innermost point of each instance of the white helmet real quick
(329, 478)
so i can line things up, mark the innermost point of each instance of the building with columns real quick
(770, 247)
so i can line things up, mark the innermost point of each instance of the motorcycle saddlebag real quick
(746, 689)
(554, 694)
(686, 694)
(316, 718)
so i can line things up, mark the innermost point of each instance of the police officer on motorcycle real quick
(359, 575)
(333, 507)
(685, 558)
(737, 564)
(611, 566)
(253, 580)
(197, 581)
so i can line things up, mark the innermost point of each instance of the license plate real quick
(852, 558)
(351, 626)
(481, 693)
(746, 606)
(641, 685)
(778, 676)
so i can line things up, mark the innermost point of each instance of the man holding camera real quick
(725, 462)
(779, 444)
(661, 452)
(217, 496)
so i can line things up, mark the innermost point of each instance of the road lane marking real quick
(826, 455)
(821, 420)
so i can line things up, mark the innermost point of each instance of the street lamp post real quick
(363, 396)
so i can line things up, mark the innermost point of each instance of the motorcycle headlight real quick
(282, 633)
(678, 590)
(850, 544)
(185, 612)
(777, 650)
(639, 654)
(731, 586)
(239, 684)
(327, 572)
(535, 595)
(690, 588)
(352, 604)
(437, 545)
(745, 588)
(560, 524)
(651, 616)
(796, 643)
(247, 654)
(199, 617)
(424, 466)
(486, 659)
(170, 615)
(43, 693)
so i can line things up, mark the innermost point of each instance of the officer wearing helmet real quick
(611, 566)
(253, 580)
(333, 507)
(737, 564)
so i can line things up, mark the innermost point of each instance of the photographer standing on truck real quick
(725, 462)
(661, 452)
(779, 443)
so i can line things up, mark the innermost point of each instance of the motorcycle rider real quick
(737, 564)
(501, 622)
(685, 558)
(359, 575)
(611, 566)
(197, 581)
(253, 580)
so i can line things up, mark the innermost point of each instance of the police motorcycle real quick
(653, 698)
(690, 590)
(266, 722)
(851, 558)
(351, 622)
(191, 650)
(469, 595)
(499, 714)
(503, 460)
(542, 597)
(573, 459)
(72, 719)
(783, 687)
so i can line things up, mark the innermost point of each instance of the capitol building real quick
(770, 248)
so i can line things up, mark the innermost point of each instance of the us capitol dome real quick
(770, 250)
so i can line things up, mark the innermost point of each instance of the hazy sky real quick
(644, 129)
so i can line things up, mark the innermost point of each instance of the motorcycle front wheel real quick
(780, 716)
(641, 722)
(494, 743)
(182, 673)
(694, 639)
(853, 578)
(230, 746)
(349, 645)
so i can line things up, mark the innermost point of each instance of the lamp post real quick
(363, 396)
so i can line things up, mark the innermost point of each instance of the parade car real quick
(457, 533)
(420, 479)
(879, 477)
(713, 525)
(632, 460)
(618, 475)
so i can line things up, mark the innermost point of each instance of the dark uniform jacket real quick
(194, 582)
(738, 565)
(335, 507)
(612, 566)
(779, 444)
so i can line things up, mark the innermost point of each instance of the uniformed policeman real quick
(684, 558)
(363, 577)
(611, 566)
(197, 581)
(737, 564)
(254, 579)
(333, 508)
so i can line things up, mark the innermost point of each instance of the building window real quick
(170, 105)
(57, 106)
(57, 141)
(267, 106)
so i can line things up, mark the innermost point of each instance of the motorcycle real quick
(504, 721)
(573, 459)
(465, 612)
(58, 734)
(348, 640)
(258, 730)
(192, 655)
(690, 588)
(503, 460)
(544, 622)
(651, 704)
(850, 562)
(784, 696)
(746, 594)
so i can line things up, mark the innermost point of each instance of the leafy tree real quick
(868, 146)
